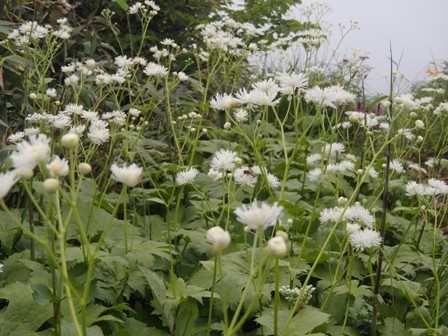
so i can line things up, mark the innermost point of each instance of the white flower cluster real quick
(333, 162)
(332, 96)
(302, 295)
(359, 224)
(144, 8)
(225, 162)
(227, 35)
(433, 187)
(32, 32)
(365, 120)
(263, 93)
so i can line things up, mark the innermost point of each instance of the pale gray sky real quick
(417, 30)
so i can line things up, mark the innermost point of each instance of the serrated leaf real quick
(23, 315)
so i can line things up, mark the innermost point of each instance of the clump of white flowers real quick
(433, 187)
(359, 223)
(302, 295)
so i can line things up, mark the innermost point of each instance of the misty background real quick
(417, 31)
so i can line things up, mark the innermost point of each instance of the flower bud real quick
(277, 247)
(218, 237)
(227, 125)
(70, 140)
(51, 185)
(419, 124)
(84, 168)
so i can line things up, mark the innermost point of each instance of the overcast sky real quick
(416, 29)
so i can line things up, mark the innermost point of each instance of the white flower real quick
(7, 180)
(62, 121)
(182, 76)
(51, 93)
(128, 175)
(240, 115)
(98, 135)
(273, 180)
(357, 213)
(330, 215)
(329, 97)
(154, 69)
(135, 8)
(439, 186)
(268, 86)
(186, 176)
(315, 174)
(290, 82)
(352, 228)
(73, 109)
(58, 167)
(414, 189)
(363, 239)
(16, 137)
(71, 80)
(218, 237)
(89, 115)
(224, 159)
(245, 176)
(312, 159)
(396, 166)
(214, 174)
(258, 218)
(333, 149)
(30, 153)
(277, 246)
(223, 101)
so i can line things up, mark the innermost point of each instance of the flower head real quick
(30, 153)
(363, 239)
(128, 175)
(187, 176)
(224, 159)
(258, 217)
(58, 167)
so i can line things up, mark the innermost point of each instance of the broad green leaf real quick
(393, 326)
(22, 315)
(186, 319)
(301, 324)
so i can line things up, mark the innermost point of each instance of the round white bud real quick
(51, 185)
(70, 140)
(84, 168)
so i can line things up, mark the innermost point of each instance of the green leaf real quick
(9, 232)
(23, 315)
(301, 324)
(393, 326)
(186, 319)
(122, 4)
